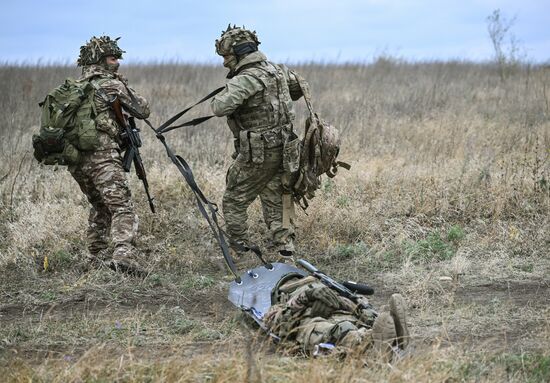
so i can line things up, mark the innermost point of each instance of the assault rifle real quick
(347, 289)
(132, 142)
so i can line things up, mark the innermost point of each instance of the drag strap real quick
(165, 126)
(203, 203)
(193, 122)
(255, 249)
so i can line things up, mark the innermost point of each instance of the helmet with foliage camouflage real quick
(97, 48)
(237, 41)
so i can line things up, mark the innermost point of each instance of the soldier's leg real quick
(109, 179)
(272, 206)
(243, 184)
(99, 218)
(272, 203)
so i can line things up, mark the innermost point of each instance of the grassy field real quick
(447, 202)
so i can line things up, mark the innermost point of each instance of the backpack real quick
(67, 126)
(318, 151)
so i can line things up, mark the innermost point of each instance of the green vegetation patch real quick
(435, 246)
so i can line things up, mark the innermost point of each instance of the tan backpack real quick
(318, 153)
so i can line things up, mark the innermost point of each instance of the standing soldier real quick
(100, 174)
(257, 101)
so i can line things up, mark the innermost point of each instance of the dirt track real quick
(494, 316)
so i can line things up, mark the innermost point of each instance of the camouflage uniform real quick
(100, 174)
(257, 101)
(311, 314)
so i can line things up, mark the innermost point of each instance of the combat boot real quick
(383, 335)
(398, 311)
(123, 262)
(98, 259)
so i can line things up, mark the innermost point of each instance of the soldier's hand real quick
(323, 301)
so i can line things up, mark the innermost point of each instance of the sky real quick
(52, 31)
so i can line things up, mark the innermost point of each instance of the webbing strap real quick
(202, 201)
(307, 97)
(196, 121)
(165, 126)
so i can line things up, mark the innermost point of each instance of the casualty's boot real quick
(398, 311)
(383, 335)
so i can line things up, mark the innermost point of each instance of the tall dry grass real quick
(450, 177)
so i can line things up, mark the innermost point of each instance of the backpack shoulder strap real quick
(307, 97)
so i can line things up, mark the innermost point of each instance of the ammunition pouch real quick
(252, 145)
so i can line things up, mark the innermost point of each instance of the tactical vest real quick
(270, 108)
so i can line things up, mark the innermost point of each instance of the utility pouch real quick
(272, 139)
(87, 135)
(257, 148)
(48, 145)
(71, 155)
(244, 147)
(38, 152)
(291, 154)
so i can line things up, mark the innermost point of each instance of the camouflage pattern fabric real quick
(97, 48)
(100, 174)
(257, 101)
(296, 320)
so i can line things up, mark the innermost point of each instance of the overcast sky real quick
(290, 30)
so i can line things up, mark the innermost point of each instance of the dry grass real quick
(450, 178)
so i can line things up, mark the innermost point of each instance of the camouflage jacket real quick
(295, 309)
(258, 97)
(111, 85)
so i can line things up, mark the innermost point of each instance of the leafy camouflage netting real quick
(97, 48)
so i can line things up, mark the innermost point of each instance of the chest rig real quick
(269, 109)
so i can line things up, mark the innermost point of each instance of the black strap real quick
(187, 174)
(202, 201)
(193, 122)
(164, 127)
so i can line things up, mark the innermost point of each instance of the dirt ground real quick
(463, 313)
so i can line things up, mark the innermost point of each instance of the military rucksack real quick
(318, 151)
(67, 126)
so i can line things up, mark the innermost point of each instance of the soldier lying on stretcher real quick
(315, 314)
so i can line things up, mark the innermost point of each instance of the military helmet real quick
(237, 41)
(97, 48)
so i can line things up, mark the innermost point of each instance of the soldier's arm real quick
(236, 92)
(131, 101)
(292, 78)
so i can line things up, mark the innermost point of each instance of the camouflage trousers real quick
(101, 178)
(246, 181)
(341, 329)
